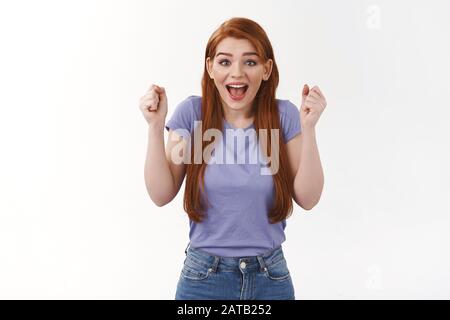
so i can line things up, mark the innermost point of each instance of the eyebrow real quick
(244, 54)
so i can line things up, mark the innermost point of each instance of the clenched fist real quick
(154, 105)
(313, 104)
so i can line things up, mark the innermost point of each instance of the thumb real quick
(305, 92)
(162, 94)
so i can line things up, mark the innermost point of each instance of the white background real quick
(75, 218)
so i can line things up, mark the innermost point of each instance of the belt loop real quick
(215, 263)
(186, 250)
(262, 263)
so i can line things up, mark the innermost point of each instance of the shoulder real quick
(185, 113)
(289, 118)
(192, 105)
(287, 109)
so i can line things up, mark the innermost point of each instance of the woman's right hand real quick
(153, 105)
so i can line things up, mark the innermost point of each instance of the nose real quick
(236, 71)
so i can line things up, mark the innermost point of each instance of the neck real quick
(235, 116)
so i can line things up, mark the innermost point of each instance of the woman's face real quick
(237, 64)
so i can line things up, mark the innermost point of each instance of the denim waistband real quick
(251, 263)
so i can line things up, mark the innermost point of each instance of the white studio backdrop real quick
(75, 218)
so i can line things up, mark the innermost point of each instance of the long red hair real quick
(266, 116)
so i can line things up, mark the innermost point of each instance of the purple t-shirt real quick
(240, 197)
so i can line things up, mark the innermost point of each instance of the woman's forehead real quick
(235, 46)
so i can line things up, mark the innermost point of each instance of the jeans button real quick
(243, 265)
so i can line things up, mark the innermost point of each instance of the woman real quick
(237, 211)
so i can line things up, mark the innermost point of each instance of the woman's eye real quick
(226, 63)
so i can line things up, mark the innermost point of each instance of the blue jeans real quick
(209, 277)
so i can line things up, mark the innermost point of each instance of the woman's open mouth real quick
(237, 92)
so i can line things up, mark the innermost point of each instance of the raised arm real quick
(163, 177)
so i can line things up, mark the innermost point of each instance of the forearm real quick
(309, 180)
(158, 177)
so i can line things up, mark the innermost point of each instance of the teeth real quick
(237, 86)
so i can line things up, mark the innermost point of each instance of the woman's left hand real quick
(313, 104)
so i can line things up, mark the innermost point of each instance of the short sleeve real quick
(290, 119)
(183, 117)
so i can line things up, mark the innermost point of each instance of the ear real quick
(208, 63)
(267, 69)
